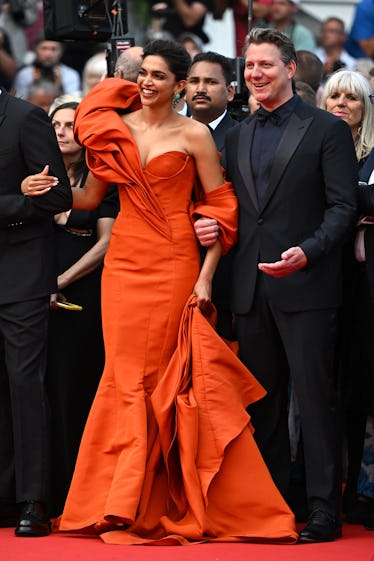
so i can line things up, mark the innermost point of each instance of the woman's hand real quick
(53, 300)
(203, 292)
(38, 183)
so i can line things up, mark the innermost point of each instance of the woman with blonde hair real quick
(349, 95)
(93, 72)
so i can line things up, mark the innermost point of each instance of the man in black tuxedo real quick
(208, 92)
(27, 279)
(293, 167)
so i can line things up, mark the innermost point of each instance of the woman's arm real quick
(210, 174)
(84, 198)
(203, 286)
(90, 260)
(219, 202)
(202, 148)
(91, 195)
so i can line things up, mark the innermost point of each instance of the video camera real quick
(93, 20)
(115, 47)
(162, 12)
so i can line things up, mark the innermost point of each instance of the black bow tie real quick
(263, 116)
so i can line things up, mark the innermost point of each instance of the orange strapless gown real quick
(168, 453)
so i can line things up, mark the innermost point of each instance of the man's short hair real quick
(216, 58)
(309, 69)
(335, 19)
(128, 66)
(260, 35)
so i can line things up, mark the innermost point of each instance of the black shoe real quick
(33, 521)
(359, 512)
(321, 527)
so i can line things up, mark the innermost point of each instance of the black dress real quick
(76, 349)
(357, 356)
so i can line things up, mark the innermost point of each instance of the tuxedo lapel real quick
(244, 156)
(290, 140)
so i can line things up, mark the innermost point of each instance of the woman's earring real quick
(176, 98)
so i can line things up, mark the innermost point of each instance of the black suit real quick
(366, 207)
(221, 286)
(287, 325)
(219, 133)
(27, 278)
(357, 354)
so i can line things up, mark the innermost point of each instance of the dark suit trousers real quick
(273, 345)
(24, 437)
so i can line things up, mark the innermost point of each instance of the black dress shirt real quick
(270, 127)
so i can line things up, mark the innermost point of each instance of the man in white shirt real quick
(331, 51)
(47, 65)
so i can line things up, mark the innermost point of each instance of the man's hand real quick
(206, 230)
(292, 260)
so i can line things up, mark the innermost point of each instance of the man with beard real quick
(47, 66)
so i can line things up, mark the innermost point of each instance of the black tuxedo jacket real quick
(27, 143)
(311, 203)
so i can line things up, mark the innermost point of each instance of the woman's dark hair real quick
(67, 105)
(79, 167)
(174, 54)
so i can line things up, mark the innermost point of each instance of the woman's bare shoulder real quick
(195, 129)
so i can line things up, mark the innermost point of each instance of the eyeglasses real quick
(371, 97)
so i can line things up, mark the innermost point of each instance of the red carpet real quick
(356, 545)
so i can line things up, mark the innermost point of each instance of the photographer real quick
(179, 16)
(15, 16)
(47, 65)
(7, 63)
(331, 50)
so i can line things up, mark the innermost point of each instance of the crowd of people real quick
(187, 292)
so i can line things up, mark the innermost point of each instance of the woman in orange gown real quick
(167, 455)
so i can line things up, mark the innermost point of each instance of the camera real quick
(238, 107)
(162, 13)
(117, 45)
